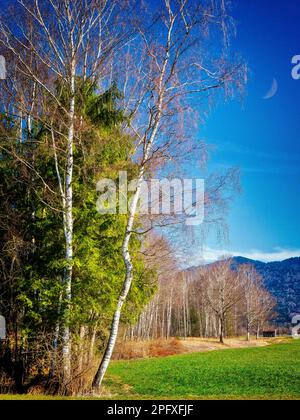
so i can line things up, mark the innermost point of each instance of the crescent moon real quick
(273, 90)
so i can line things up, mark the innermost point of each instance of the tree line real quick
(218, 300)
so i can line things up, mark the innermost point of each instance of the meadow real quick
(261, 373)
(271, 372)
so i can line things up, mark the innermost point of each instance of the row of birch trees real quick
(209, 302)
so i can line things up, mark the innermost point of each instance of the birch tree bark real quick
(69, 223)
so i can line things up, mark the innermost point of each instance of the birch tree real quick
(266, 311)
(177, 66)
(222, 292)
(53, 44)
(252, 289)
(258, 304)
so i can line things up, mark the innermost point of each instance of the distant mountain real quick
(282, 280)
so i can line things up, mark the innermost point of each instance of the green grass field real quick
(271, 372)
(261, 373)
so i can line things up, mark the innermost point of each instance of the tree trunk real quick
(69, 231)
(81, 348)
(222, 330)
(125, 290)
(92, 345)
(248, 331)
(56, 339)
(257, 333)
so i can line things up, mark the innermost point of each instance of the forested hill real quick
(282, 279)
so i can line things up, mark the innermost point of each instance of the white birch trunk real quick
(125, 290)
(248, 331)
(69, 228)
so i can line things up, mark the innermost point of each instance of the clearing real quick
(271, 372)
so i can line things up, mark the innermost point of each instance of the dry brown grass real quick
(161, 348)
(146, 349)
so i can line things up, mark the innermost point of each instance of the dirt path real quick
(193, 345)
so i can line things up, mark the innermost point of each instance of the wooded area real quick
(218, 300)
(94, 88)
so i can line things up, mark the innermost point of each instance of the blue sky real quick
(262, 136)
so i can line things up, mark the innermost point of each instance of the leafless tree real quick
(266, 312)
(222, 291)
(178, 65)
(252, 289)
